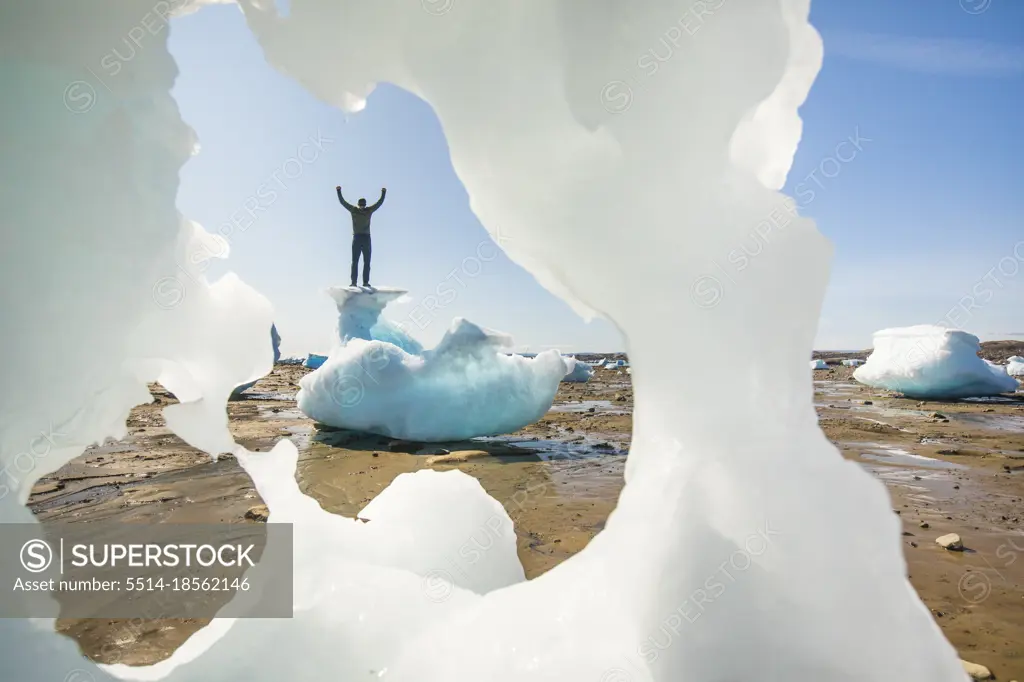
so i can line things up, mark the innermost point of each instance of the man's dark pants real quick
(361, 245)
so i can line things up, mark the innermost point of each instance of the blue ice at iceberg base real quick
(463, 388)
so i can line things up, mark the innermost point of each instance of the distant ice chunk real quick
(577, 371)
(465, 387)
(818, 364)
(314, 361)
(932, 362)
(852, 362)
(1015, 366)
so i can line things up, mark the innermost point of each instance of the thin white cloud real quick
(944, 56)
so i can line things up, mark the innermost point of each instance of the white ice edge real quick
(675, 168)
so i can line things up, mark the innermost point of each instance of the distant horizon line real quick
(622, 352)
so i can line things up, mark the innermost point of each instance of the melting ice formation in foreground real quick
(275, 340)
(932, 362)
(379, 380)
(429, 590)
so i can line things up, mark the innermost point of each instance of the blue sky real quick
(925, 218)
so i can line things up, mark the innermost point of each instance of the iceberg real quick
(577, 371)
(818, 364)
(465, 387)
(931, 362)
(359, 316)
(1015, 366)
(853, 362)
(314, 361)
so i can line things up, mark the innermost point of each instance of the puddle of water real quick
(889, 411)
(996, 422)
(582, 406)
(89, 494)
(888, 454)
(300, 433)
(882, 423)
(924, 487)
(280, 397)
(558, 450)
(604, 406)
(575, 478)
(1012, 454)
(995, 399)
(836, 384)
(575, 469)
(108, 449)
(539, 473)
(835, 389)
(909, 459)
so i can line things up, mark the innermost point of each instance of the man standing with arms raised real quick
(361, 233)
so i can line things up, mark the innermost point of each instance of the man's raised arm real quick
(342, 199)
(383, 191)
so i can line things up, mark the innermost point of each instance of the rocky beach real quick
(949, 467)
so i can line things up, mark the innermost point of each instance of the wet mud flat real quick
(949, 468)
(152, 476)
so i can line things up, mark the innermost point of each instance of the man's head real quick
(362, 203)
